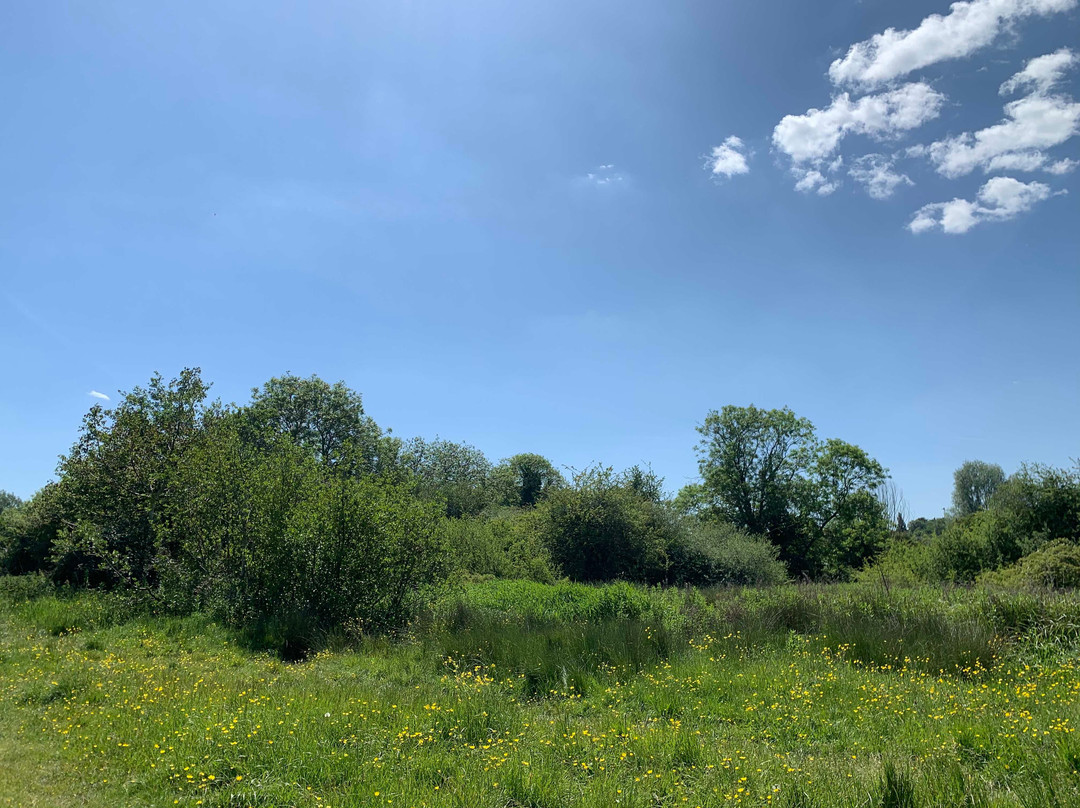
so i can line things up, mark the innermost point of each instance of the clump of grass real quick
(553, 657)
(897, 788)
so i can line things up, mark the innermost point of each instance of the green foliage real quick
(268, 534)
(28, 534)
(905, 561)
(974, 483)
(720, 554)
(325, 419)
(117, 481)
(455, 473)
(525, 480)
(1038, 504)
(602, 527)
(766, 472)
(966, 548)
(8, 500)
(506, 543)
(1055, 565)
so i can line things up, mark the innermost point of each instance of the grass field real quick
(515, 694)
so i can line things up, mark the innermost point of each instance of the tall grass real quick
(511, 694)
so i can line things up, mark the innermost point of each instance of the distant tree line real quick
(298, 509)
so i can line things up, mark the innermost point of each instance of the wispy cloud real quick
(96, 394)
(729, 158)
(876, 173)
(604, 175)
(968, 27)
(999, 199)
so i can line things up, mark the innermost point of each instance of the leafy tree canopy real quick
(973, 485)
(525, 480)
(766, 472)
(326, 419)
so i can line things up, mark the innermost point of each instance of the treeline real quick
(1016, 531)
(298, 508)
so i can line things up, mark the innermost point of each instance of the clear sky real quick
(561, 227)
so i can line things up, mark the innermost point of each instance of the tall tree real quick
(524, 480)
(766, 472)
(326, 419)
(8, 500)
(752, 464)
(457, 473)
(973, 485)
(115, 483)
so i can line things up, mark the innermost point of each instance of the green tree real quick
(524, 480)
(973, 485)
(116, 483)
(28, 534)
(753, 464)
(269, 534)
(766, 472)
(601, 528)
(8, 500)
(327, 420)
(457, 473)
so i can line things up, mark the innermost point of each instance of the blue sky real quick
(556, 227)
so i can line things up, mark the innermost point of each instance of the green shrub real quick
(966, 548)
(28, 534)
(270, 535)
(720, 554)
(505, 544)
(905, 562)
(1054, 566)
(604, 528)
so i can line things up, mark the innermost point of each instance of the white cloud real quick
(812, 139)
(604, 175)
(1032, 124)
(1041, 73)
(814, 180)
(968, 27)
(817, 133)
(1063, 166)
(875, 172)
(1000, 198)
(96, 394)
(729, 158)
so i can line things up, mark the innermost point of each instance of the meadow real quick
(510, 693)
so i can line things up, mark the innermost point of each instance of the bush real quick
(967, 547)
(28, 534)
(905, 562)
(604, 528)
(505, 544)
(271, 535)
(717, 553)
(1054, 566)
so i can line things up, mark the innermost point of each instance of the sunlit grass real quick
(513, 695)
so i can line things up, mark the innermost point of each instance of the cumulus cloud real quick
(999, 199)
(729, 158)
(817, 133)
(968, 27)
(812, 180)
(876, 173)
(1032, 124)
(1041, 73)
(812, 138)
(1063, 166)
(96, 394)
